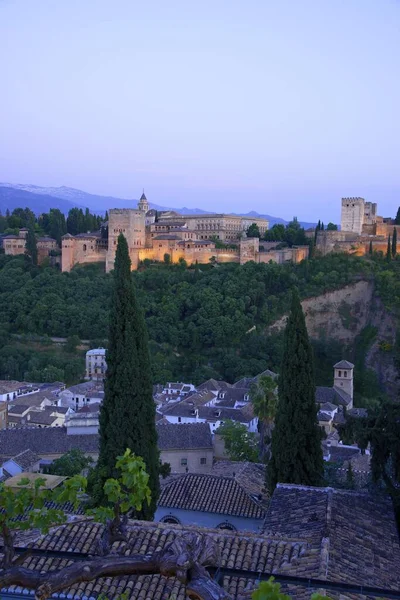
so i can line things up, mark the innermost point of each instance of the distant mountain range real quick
(41, 199)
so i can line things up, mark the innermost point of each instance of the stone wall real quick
(81, 250)
(352, 218)
(132, 224)
(193, 458)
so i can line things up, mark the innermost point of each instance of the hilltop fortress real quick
(360, 227)
(170, 237)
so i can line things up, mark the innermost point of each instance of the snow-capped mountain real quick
(41, 199)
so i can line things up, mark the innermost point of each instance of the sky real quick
(277, 106)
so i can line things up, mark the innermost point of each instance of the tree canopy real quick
(127, 413)
(296, 438)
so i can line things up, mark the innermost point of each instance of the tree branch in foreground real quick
(185, 558)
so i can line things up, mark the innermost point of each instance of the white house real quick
(96, 365)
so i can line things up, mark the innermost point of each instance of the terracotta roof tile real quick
(210, 493)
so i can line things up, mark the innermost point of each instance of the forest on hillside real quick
(204, 321)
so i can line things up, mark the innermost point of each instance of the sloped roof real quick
(166, 236)
(250, 552)
(343, 364)
(44, 440)
(342, 398)
(7, 387)
(347, 529)
(251, 476)
(26, 459)
(184, 436)
(210, 493)
(333, 535)
(213, 385)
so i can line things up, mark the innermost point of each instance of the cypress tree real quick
(370, 248)
(31, 246)
(389, 250)
(397, 219)
(296, 438)
(127, 414)
(394, 242)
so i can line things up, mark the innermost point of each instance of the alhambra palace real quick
(174, 237)
(203, 238)
(360, 229)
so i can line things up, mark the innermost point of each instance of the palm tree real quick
(264, 397)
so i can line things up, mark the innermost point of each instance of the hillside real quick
(208, 322)
(26, 195)
(354, 316)
(11, 198)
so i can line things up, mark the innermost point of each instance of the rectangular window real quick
(340, 373)
(183, 462)
(345, 373)
(203, 461)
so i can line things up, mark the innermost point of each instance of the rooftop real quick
(333, 535)
(44, 441)
(96, 351)
(10, 386)
(26, 459)
(343, 364)
(50, 481)
(347, 529)
(184, 436)
(210, 493)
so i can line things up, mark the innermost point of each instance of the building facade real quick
(362, 230)
(15, 245)
(173, 237)
(96, 365)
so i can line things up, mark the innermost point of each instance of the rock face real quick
(343, 314)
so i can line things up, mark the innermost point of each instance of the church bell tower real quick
(143, 204)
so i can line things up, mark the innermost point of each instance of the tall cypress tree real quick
(31, 246)
(394, 242)
(127, 414)
(296, 438)
(370, 248)
(389, 250)
(397, 219)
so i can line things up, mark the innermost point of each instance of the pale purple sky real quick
(280, 106)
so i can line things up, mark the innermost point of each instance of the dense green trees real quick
(127, 414)
(292, 235)
(240, 444)
(199, 319)
(52, 223)
(71, 463)
(253, 231)
(296, 438)
(331, 227)
(82, 222)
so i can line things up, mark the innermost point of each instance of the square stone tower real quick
(343, 377)
(353, 211)
(131, 223)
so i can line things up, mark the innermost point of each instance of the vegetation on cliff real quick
(205, 321)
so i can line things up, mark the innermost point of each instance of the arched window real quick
(226, 525)
(84, 247)
(170, 519)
